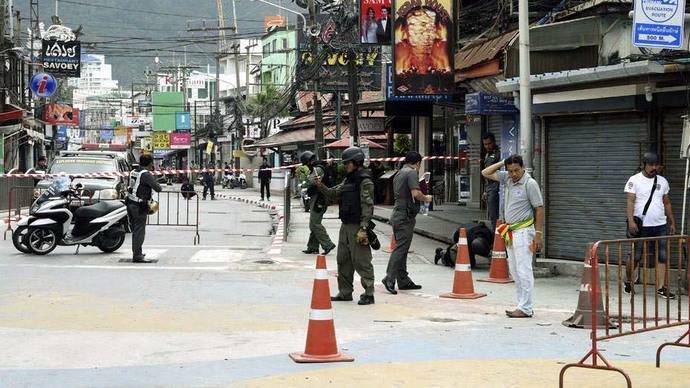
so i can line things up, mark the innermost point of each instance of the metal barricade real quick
(176, 210)
(619, 316)
(17, 197)
(286, 206)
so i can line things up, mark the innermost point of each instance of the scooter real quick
(49, 223)
(228, 181)
(304, 197)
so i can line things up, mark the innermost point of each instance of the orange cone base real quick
(387, 250)
(302, 358)
(451, 295)
(492, 280)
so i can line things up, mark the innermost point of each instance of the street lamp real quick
(310, 30)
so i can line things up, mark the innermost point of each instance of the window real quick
(285, 44)
(267, 49)
(203, 93)
(189, 93)
(273, 45)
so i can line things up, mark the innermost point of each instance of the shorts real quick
(651, 231)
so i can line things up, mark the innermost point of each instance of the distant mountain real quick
(107, 24)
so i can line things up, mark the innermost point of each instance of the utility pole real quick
(352, 78)
(246, 71)
(318, 112)
(526, 138)
(239, 135)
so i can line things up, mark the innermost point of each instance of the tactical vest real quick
(350, 200)
(137, 192)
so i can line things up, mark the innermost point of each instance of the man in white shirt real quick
(657, 221)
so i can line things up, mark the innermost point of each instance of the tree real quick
(402, 144)
(266, 105)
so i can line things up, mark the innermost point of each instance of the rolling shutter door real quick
(589, 159)
(674, 166)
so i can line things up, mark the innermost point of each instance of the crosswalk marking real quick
(150, 253)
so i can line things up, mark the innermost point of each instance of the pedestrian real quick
(209, 182)
(356, 194)
(141, 185)
(41, 164)
(317, 205)
(649, 214)
(521, 226)
(407, 191)
(492, 155)
(265, 180)
(187, 188)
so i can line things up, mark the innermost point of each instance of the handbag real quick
(638, 220)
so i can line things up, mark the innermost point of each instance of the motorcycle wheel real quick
(244, 185)
(41, 241)
(19, 239)
(109, 245)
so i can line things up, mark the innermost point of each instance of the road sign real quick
(659, 23)
(43, 85)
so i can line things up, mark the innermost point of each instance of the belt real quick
(506, 230)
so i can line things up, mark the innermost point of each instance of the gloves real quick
(362, 238)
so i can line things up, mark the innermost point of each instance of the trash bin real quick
(386, 187)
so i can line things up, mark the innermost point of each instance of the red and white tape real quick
(203, 170)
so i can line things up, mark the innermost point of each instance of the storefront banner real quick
(61, 114)
(161, 140)
(62, 59)
(375, 22)
(481, 103)
(422, 50)
(180, 140)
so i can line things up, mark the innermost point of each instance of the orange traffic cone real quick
(321, 344)
(463, 288)
(393, 244)
(498, 272)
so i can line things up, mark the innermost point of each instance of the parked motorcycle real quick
(228, 181)
(51, 222)
(232, 181)
(304, 197)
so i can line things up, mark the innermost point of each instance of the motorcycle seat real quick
(98, 210)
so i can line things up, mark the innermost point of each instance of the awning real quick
(480, 59)
(11, 113)
(304, 135)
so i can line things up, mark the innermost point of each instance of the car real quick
(74, 163)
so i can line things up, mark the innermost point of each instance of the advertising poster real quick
(333, 74)
(180, 140)
(62, 59)
(422, 49)
(375, 22)
(61, 114)
(146, 144)
(161, 140)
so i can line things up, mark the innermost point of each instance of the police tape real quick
(164, 172)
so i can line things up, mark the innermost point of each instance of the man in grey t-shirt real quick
(522, 211)
(406, 189)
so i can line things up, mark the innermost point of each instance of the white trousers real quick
(520, 266)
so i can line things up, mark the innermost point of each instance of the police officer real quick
(356, 195)
(407, 192)
(317, 206)
(491, 195)
(208, 178)
(141, 184)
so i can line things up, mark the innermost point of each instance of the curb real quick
(421, 232)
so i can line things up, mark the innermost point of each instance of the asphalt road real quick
(227, 313)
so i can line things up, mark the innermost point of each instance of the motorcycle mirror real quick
(79, 186)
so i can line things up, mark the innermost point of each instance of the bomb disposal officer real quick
(317, 206)
(356, 195)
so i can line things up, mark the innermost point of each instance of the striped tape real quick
(321, 274)
(321, 315)
(463, 267)
(462, 241)
(499, 255)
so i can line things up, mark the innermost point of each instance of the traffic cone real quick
(463, 288)
(498, 272)
(321, 344)
(393, 244)
(582, 318)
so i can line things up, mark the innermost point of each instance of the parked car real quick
(87, 162)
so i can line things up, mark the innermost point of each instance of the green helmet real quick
(306, 157)
(354, 154)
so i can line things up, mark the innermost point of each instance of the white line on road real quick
(204, 247)
(141, 266)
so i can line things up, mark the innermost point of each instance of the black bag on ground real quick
(479, 242)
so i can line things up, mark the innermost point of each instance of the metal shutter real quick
(589, 159)
(674, 166)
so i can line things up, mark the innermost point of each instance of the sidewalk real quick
(440, 223)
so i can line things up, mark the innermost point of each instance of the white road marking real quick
(202, 246)
(138, 266)
(150, 253)
(217, 256)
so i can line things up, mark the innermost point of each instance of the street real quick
(224, 314)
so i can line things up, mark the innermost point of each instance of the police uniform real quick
(317, 208)
(356, 195)
(141, 185)
(491, 187)
(403, 220)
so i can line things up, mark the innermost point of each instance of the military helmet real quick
(306, 157)
(354, 154)
(650, 158)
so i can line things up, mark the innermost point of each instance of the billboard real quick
(61, 114)
(165, 108)
(422, 49)
(333, 74)
(375, 22)
(160, 140)
(62, 59)
(183, 121)
(273, 21)
(180, 140)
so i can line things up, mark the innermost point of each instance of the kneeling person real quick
(356, 195)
